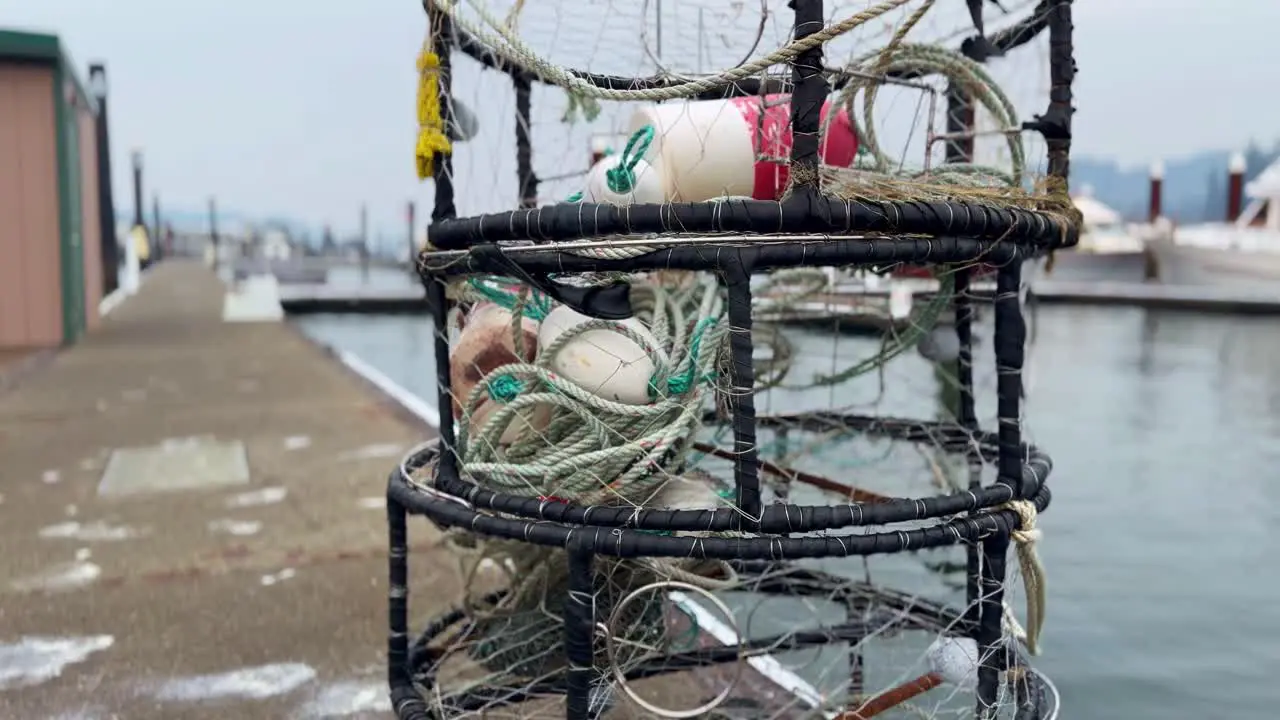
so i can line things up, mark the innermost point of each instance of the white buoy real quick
(603, 361)
(626, 178)
(952, 661)
(955, 660)
(940, 344)
(639, 183)
(691, 492)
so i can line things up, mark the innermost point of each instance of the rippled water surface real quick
(1162, 541)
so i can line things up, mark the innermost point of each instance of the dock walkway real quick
(122, 587)
(193, 526)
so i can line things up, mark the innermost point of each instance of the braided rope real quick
(1033, 575)
(510, 48)
(592, 451)
(595, 450)
(920, 59)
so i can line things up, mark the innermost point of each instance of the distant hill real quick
(1195, 186)
(1195, 190)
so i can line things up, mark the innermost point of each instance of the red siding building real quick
(50, 240)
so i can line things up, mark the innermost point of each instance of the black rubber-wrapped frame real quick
(836, 232)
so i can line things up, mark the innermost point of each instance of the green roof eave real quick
(45, 48)
(18, 45)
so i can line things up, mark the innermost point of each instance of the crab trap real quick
(654, 501)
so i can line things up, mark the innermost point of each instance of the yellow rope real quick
(431, 134)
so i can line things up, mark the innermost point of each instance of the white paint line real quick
(34, 660)
(88, 713)
(230, 526)
(766, 665)
(348, 697)
(414, 404)
(373, 452)
(251, 683)
(297, 442)
(117, 296)
(275, 578)
(97, 531)
(253, 498)
(64, 576)
(111, 301)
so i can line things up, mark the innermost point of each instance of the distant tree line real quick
(1195, 186)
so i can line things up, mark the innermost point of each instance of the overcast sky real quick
(306, 108)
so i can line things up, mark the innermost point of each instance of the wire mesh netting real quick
(715, 438)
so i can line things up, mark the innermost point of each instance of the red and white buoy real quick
(707, 149)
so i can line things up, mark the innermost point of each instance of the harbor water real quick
(1161, 541)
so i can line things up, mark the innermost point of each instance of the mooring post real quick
(106, 198)
(411, 213)
(364, 243)
(1155, 197)
(213, 232)
(157, 249)
(136, 158)
(1235, 186)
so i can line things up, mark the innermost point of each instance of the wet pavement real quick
(192, 521)
(193, 526)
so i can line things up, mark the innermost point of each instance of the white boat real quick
(1110, 250)
(1245, 253)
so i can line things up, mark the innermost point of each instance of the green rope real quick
(536, 308)
(504, 388)
(897, 343)
(590, 450)
(593, 449)
(682, 383)
(621, 178)
(921, 61)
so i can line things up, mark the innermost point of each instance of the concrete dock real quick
(305, 298)
(191, 514)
